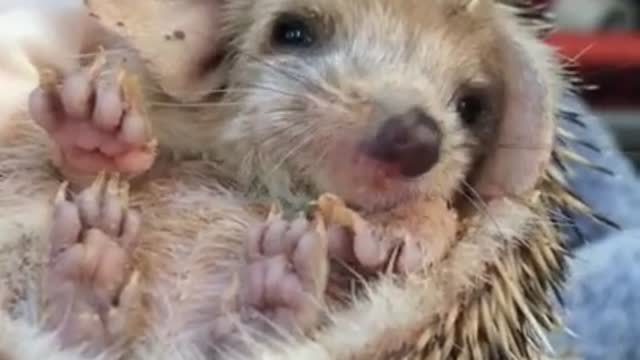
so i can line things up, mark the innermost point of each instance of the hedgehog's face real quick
(374, 100)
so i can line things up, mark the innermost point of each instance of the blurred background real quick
(602, 39)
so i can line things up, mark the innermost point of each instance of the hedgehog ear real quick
(523, 147)
(179, 41)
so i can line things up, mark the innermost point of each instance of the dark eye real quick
(471, 107)
(292, 31)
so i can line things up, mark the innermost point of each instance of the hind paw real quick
(95, 120)
(88, 283)
(402, 240)
(287, 273)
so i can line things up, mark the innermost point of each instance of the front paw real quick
(403, 240)
(95, 120)
(372, 248)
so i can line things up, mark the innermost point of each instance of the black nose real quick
(410, 140)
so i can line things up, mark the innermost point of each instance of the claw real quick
(275, 212)
(131, 89)
(335, 211)
(321, 228)
(118, 188)
(48, 80)
(99, 182)
(131, 295)
(113, 184)
(61, 194)
(393, 260)
(133, 96)
(151, 145)
(98, 63)
(123, 194)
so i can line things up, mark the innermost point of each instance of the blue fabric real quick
(602, 297)
(615, 196)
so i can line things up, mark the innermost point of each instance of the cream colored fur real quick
(386, 318)
(391, 314)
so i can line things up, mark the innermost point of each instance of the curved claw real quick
(48, 80)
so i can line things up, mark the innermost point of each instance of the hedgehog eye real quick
(471, 107)
(292, 31)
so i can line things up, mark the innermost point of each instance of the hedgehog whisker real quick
(477, 202)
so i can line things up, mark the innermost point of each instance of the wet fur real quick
(406, 309)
